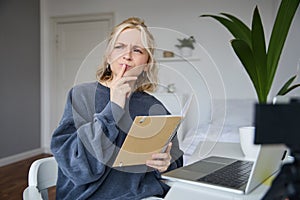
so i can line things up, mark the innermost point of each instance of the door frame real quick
(48, 60)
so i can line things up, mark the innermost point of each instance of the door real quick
(79, 45)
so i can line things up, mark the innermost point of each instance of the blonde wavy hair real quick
(148, 80)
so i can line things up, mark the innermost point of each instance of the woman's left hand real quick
(161, 161)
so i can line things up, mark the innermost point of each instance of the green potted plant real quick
(260, 63)
(250, 46)
(186, 45)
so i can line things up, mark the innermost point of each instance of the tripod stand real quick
(287, 184)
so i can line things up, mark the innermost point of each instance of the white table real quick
(187, 191)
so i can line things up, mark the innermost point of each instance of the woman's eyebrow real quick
(138, 46)
(134, 46)
(119, 43)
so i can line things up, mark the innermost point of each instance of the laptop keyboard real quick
(234, 175)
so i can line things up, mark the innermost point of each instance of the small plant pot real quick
(186, 52)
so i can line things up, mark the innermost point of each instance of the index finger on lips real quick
(122, 72)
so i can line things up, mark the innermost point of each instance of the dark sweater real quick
(87, 139)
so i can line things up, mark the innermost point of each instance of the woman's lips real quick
(127, 66)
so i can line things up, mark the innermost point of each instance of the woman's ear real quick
(108, 61)
(146, 68)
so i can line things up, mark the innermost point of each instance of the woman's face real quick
(129, 51)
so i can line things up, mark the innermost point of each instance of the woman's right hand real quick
(121, 87)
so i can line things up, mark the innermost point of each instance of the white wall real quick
(218, 73)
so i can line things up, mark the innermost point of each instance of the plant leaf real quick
(286, 87)
(245, 32)
(259, 52)
(279, 33)
(244, 53)
(237, 29)
(290, 89)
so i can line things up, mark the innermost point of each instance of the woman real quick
(97, 117)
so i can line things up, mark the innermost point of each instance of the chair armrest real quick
(43, 173)
(31, 192)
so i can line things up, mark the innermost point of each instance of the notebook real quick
(148, 135)
(200, 172)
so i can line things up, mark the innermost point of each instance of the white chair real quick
(42, 175)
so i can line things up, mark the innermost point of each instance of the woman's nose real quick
(127, 55)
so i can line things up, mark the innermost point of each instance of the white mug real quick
(249, 149)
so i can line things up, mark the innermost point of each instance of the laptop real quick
(229, 174)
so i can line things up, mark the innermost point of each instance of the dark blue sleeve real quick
(83, 150)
